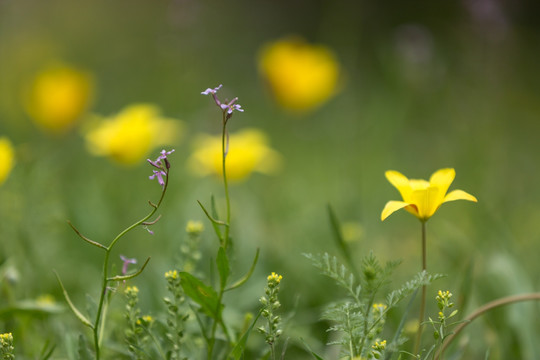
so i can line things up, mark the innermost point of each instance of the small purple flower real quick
(211, 91)
(231, 106)
(159, 174)
(226, 107)
(162, 164)
(126, 262)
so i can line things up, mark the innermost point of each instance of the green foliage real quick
(358, 320)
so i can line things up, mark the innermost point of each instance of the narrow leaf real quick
(238, 349)
(202, 294)
(223, 267)
(310, 351)
(246, 277)
(95, 243)
(131, 276)
(340, 241)
(77, 313)
(83, 351)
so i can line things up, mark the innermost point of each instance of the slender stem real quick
(424, 288)
(105, 281)
(485, 308)
(224, 151)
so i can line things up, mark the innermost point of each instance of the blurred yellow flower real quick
(248, 152)
(7, 158)
(58, 97)
(301, 76)
(420, 197)
(129, 136)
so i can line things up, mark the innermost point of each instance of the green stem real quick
(485, 308)
(224, 151)
(105, 280)
(423, 299)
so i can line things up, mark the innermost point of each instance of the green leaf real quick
(311, 352)
(223, 267)
(77, 313)
(246, 277)
(83, 351)
(340, 241)
(238, 349)
(201, 294)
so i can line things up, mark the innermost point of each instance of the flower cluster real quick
(228, 106)
(162, 165)
(270, 303)
(6, 346)
(443, 302)
(378, 349)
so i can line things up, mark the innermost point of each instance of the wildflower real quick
(162, 165)
(58, 97)
(7, 158)
(126, 261)
(145, 320)
(420, 197)
(171, 275)
(379, 308)
(194, 227)
(227, 107)
(379, 345)
(274, 279)
(6, 346)
(248, 152)
(301, 76)
(129, 136)
(131, 291)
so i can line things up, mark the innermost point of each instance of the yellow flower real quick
(274, 278)
(422, 198)
(129, 136)
(301, 76)
(248, 152)
(58, 97)
(7, 158)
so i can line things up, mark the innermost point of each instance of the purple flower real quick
(163, 165)
(231, 106)
(126, 262)
(226, 107)
(211, 91)
(159, 174)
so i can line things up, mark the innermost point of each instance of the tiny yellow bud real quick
(171, 275)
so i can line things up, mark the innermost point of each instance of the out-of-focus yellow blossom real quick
(423, 198)
(248, 152)
(58, 97)
(129, 136)
(7, 158)
(302, 76)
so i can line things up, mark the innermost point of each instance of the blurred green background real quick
(423, 85)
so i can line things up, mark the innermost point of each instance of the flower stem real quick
(483, 309)
(225, 150)
(424, 288)
(105, 281)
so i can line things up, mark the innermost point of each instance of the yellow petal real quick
(400, 182)
(391, 207)
(427, 201)
(442, 179)
(459, 195)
